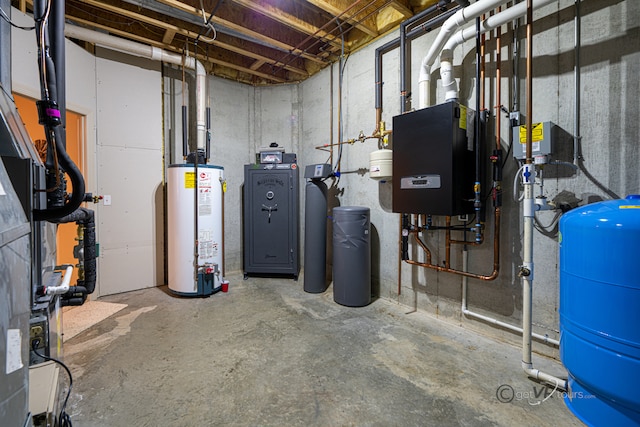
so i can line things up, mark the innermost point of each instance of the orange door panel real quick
(66, 235)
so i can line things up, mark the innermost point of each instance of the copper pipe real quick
(378, 117)
(423, 246)
(466, 242)
(496, 255)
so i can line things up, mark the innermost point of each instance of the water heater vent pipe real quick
(155, 54)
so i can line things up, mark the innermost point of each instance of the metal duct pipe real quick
(155, 54)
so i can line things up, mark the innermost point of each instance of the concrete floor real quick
(268, 354)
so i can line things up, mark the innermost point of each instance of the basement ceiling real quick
(258, 42)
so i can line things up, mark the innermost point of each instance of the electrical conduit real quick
(528, 206)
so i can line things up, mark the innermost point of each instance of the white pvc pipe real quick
(64, 286)
(456, 20)
(527, 284)
(155, 54)
(493, 321)
(491, 23)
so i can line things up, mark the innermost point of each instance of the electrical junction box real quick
(540, 140)
(319, 171)
(433, 161)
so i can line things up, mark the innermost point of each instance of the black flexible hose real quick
(85, 218)
(77, 197)
(50, 118)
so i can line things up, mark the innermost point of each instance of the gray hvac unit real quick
(15, 288)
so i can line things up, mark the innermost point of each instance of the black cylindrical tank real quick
(351, 256)
(315, 237)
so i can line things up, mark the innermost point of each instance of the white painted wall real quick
(129, 154)
(121, 98)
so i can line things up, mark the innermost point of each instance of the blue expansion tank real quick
(600, 311)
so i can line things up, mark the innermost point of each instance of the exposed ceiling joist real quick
(291, 21)
(357, 12)
(258, 42)
(243, 29)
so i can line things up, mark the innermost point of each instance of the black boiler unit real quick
(433, 161)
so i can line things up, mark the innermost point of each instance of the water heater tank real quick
(184, 200)
(600, 311)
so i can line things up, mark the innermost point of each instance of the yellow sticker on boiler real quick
(463, 117)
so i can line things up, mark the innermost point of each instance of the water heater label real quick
(189, 180)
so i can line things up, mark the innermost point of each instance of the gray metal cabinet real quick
(271, 224)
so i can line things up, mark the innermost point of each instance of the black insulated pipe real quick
(86, 219)
(404, 48)
(401, 42)
(387, 47)
(405, 237)
(477, 202)
(208, 146)
(50, 118)
(57, 48)
(497, 177)
(421, 29)
(185, 145)
(76, 178)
